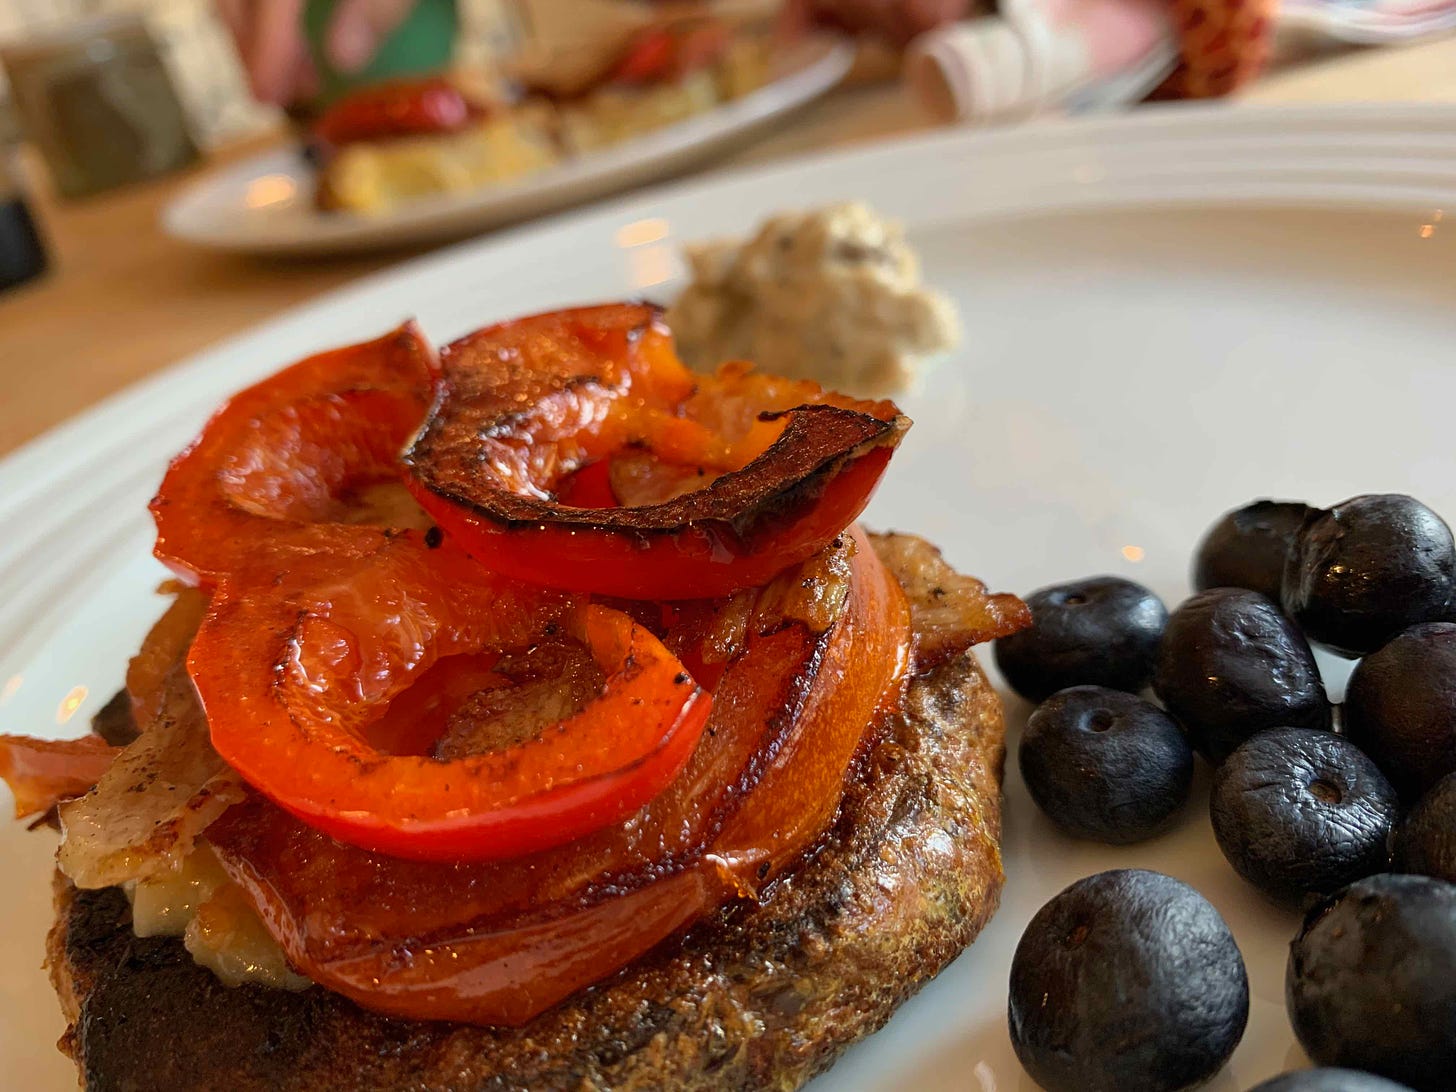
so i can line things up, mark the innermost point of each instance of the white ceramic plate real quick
(1167, 315)
(264, 205)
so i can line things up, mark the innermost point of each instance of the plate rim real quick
(1371, 119)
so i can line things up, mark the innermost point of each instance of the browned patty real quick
(762, 997)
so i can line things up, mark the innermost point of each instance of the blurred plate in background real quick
(265, 205)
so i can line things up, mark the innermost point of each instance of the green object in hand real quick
(422, 43)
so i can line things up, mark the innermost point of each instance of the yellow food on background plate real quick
(617, 109)
(374, 178)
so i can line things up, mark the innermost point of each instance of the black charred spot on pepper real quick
(681, 677)
(433, 537)
(763, 870)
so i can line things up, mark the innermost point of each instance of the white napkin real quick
(1002, 68)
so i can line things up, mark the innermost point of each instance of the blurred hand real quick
(270, 40)
(895, 20)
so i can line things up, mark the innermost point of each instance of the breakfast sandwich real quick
(531, 715)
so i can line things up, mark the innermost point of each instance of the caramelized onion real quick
(146, 812)
(43, 772)
(951, 612)
(165, 644)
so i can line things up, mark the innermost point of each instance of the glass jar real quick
(98, 102)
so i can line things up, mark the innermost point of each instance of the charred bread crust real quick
(763, 997)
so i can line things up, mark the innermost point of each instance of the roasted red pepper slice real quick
(396, 109)
(500, 941)
(281, 466)
(43, 772)
(293, 671)
(525, 406)
(649, 57)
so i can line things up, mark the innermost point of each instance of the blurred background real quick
(191, 40)
(194, 44)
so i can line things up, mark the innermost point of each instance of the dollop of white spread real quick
(831, 294)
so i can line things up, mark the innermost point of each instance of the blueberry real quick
(1329, 1080)
(1426, 842)
(1232, 665)
(1247, 547)
(1105, 765)
(1366, 569)
(1297, 811)
(1371, 981)
(1102, 631)
(1400, 707)
(1127, 979)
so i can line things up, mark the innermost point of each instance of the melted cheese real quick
(165, 905)
(229, 939)
(215, 921)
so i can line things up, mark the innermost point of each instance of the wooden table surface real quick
(123, 300)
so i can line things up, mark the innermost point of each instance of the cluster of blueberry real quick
(1131, 979)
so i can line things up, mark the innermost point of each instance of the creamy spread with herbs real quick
(831, 294)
